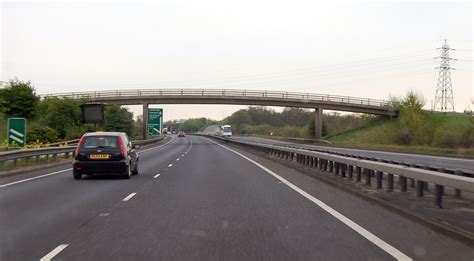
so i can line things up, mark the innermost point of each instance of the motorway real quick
(195, 199)
(424, 160)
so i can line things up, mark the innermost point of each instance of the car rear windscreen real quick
(106, 142)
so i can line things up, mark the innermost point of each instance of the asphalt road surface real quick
(197, 200)
(426, 160)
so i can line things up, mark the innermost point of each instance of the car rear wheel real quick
(127, 173)
(135, 170)
(77, 175)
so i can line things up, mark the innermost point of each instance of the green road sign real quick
(155, 120)
(16, 131)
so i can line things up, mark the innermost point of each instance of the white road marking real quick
(168, 143)
(33, 178)
(156, 176)
(357, 228)
(177, 159)
(182, 155)
(104, 214)
(129, 196)
(53, 253)
(170, 165)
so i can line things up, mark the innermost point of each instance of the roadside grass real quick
(443, 135)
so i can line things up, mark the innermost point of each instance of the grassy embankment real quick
(438, 134)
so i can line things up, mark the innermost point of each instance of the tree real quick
(193, 125)
(19, 99)
(296, 116)
(60, 114)
(118, 119)
(138, 126)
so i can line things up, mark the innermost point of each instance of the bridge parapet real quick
(261, 95)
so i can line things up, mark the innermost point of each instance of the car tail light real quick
(79, 144)
(122, 147)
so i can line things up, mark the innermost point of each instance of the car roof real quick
(103, 133)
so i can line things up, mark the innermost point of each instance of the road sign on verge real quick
(155, 121)
(16, 131)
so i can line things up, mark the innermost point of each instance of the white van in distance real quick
(226, 130)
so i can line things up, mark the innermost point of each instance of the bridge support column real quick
(145, 121)
(318, 123)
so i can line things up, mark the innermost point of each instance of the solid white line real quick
(129, 196)
(170, 165)
(37, 177)
(362, 231)
(156, 176)
(53, 253)
(168, 143)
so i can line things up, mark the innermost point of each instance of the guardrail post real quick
(27, 159)
(378, 177)
(331, 166)
(419, 188)
(15, 161)
(343, 170)
(457, 192)
(350, 170)
(336, 168)
(368, 177)
(358, 174)
(54, 156)
(66, 155)
(390, 182)
(403, 183)
(37, 158)
(439, 195)
(47, 157)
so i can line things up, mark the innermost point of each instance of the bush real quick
(41, 134)
(413, 120)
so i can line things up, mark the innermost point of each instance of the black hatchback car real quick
(105, 153)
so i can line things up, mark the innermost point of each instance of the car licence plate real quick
(99, 156)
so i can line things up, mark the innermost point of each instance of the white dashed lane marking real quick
(54, 253)
(129, 196)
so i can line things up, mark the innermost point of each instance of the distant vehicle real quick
(181, 134)
(105, 153)
(226, 130)
(165, 131)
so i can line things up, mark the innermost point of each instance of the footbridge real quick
(319, 102)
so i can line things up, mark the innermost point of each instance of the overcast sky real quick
(371, 50)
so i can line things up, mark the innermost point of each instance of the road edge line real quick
(33, 178)
(351, 224)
